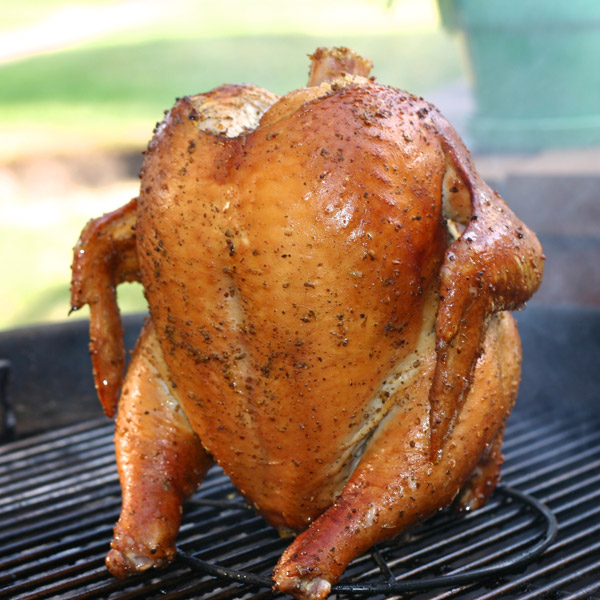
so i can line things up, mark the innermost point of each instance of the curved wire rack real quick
(388, 583)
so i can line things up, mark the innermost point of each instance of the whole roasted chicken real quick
(327, 276)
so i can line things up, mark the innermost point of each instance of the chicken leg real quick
(160, 459)
(395, 485)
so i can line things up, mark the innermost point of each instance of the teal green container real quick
(535, 68)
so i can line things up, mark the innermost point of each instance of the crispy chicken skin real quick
(327, 276)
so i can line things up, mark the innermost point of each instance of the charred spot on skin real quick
(230, 246)
(310, 316)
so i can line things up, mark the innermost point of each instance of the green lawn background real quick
(112, 90)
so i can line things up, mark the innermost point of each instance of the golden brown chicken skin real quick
(326, 275)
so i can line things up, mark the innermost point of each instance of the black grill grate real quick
(382, 579)
(59, 498)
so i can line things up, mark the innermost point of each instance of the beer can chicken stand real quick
(327, 277)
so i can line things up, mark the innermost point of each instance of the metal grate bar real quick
(563, 542)
(592, 482)
(73, 552)
(552, 567)
(72, 486)
(39, 560)
(32, 513)
(564, 478)
(37, 484)
(579, 450)
(521, 433)
(555, 566)
(149, 589)
(51, 442)
(473, 547)
(55, 438)
(584, 593)
(57, 526)
(46, 557)
(59, 587)
(558, 584)
(45, 578)
(63, 453)
(550, 442)
(94, 527)
(46, 465)
(559, 466)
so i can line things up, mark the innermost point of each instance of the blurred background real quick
(82, 84)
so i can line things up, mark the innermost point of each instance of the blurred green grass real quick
(88, 88)
(113, 93)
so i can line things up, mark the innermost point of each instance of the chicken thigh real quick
(327, 276)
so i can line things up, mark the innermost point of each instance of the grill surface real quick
(60, 496)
